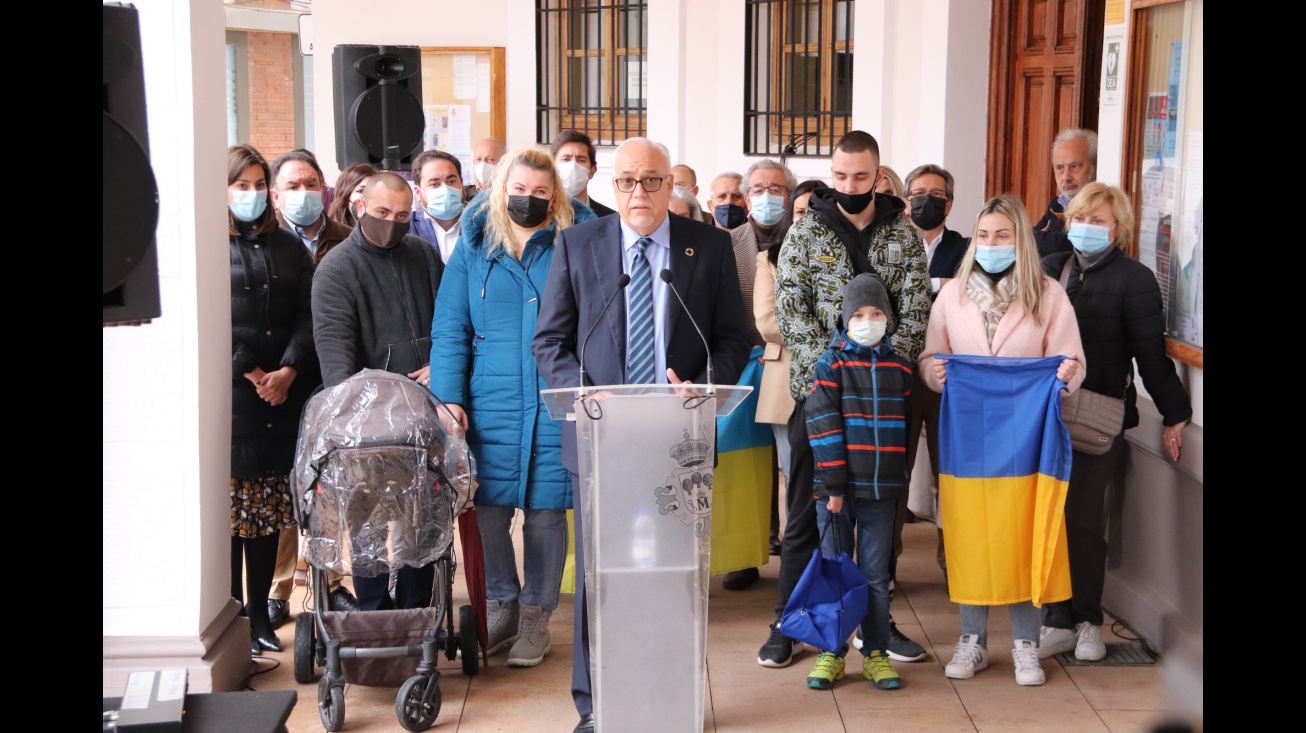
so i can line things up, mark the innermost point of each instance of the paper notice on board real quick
(482, 87)
(464, 76)
(449, 128)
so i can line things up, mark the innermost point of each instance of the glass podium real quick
(645, 510)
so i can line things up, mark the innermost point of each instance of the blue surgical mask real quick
(867, 332)
(767, 209)
(1089, 238)
(444, 203)
(248, 205)
(997, 258)
(301, 207)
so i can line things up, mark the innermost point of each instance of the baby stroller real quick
(378, 481)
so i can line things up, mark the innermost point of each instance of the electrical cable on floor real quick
(1118, 628)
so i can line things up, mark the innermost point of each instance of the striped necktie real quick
(640, 331)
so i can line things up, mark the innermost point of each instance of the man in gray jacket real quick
(373, 299)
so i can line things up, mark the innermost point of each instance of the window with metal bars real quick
(799, 80)
(593, 68)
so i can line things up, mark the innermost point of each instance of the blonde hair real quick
(498, 231)
(1094, 195)
(895, 183)
(1027, 271)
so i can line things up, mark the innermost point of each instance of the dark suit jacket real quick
(1050, 231)
(587, 264)
(599, 209)
(947, 256)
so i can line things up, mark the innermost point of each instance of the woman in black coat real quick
(1118, 305)
(274, 369)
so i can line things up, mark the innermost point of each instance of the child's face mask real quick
(867, 332)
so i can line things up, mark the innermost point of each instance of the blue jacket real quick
(485, 315)
(857, 420)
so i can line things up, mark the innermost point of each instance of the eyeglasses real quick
(937, 193)
(773, 190)
(626, 185)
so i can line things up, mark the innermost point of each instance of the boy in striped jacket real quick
(857, 426)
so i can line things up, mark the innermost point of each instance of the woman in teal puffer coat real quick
(482, 367)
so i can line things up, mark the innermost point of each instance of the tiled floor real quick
(745, 697)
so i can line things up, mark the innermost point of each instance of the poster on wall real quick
(1154, 141)
(449, 128)
(1186, 301)
(1172, 105)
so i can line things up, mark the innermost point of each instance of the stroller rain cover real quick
(378, 479)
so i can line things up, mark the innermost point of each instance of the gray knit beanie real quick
(867, 289)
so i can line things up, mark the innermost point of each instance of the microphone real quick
(622, 282)
(666, 278)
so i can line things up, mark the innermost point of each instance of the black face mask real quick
(528, 211)
(382, 232)
(928, 211)
(854, 203)
(730, 215)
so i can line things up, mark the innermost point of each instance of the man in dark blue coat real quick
(587, 267)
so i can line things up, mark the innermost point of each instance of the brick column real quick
(271, 93)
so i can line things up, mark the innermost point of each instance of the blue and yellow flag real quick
(741, 489)
(1004, 466)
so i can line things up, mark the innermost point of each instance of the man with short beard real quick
(373, 301)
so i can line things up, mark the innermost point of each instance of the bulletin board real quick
(1164, 161)
(463, 98)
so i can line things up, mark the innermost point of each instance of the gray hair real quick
(695, 209)
(928, 169)
(1079, 133)
(766, 164)
(728, 174)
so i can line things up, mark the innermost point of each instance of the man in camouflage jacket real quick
(814, 267)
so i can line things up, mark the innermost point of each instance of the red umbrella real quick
(474, 572)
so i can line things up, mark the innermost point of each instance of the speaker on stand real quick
(131, 196)
(378, 97)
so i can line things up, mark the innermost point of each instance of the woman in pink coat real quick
(1001, 304)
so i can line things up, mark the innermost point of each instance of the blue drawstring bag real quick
(829, 601)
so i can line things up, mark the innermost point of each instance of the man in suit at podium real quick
(645, 337)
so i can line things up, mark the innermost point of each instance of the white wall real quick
(166, 385)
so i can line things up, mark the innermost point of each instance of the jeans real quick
(872, 520)
(544, 553)
(1024, 621)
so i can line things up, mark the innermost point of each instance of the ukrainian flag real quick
(1004, 467)
(741, 486)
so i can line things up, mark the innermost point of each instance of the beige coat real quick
(774, 403)
(957, 327)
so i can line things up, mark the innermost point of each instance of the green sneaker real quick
(877, 669)
(828, 669)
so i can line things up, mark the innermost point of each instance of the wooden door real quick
(1046, 59)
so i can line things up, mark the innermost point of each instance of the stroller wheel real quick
(413, 714)
(305, 633)
(467, 640)
(330, 704)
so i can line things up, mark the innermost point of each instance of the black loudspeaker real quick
(378, 95)
(131, 196)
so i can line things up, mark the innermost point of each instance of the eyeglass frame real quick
(942, 194)
(643, 183)
(776, 190)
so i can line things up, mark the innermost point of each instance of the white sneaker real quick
(1089, 646)
(1052, 640)
(1028, 670)
(967, 659)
